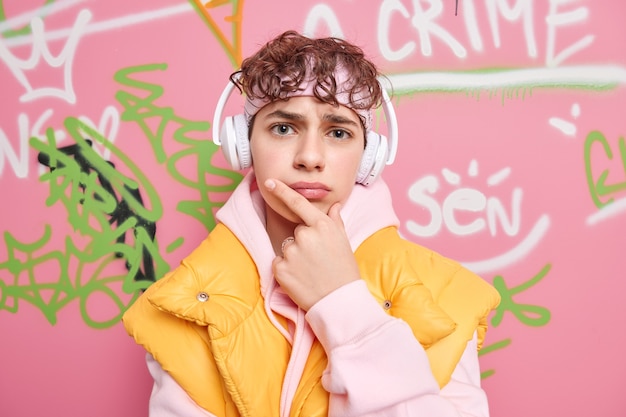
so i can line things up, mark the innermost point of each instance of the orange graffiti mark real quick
(234, 19)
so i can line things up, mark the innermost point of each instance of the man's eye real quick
(282, 129)
(340, 134)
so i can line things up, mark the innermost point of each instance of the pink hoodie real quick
(351, 327)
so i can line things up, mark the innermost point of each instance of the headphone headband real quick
(219, 109)
(392, 125)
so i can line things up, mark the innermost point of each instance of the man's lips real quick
(311, 190)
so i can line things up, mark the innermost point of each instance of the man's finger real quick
(335, 213)
(295, 201)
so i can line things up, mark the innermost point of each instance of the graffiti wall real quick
(512, 160)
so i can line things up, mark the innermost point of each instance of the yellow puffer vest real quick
(231, 360)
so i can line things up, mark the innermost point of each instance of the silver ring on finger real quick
(287, 240)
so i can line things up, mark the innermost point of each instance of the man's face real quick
(313, 147)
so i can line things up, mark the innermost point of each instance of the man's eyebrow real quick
(281, 114)
(336, 118)
(328, 117)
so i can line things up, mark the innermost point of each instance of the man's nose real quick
(310, 152)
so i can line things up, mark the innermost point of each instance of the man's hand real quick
(319, 259)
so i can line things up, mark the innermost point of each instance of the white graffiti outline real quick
(41, 51)
(566, 127)
(553, 20)
(594, 76)
(598, 76)
(116, 23)
(515, 254)
(609, 211)
(47, 10)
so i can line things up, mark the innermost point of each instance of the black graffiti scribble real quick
(122, 211)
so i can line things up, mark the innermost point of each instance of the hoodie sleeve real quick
(376, 367)
(168, 399)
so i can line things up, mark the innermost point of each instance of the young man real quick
(304, 300)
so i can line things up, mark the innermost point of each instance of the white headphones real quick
(233, 138)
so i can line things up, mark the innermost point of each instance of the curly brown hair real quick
(282, 65)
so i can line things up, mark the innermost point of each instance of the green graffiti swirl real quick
(142, 110)
(112, 209)
(492, 348)
(530, 315)
(599, 188)
(106, 241)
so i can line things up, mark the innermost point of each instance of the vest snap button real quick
(202, 297)
(387, 305)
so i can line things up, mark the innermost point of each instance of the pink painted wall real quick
(512, 160)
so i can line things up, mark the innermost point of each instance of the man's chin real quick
(292, 217)
(321, 206)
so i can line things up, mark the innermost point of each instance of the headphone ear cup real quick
(243, 142)
(374, 158)
(235, 143)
